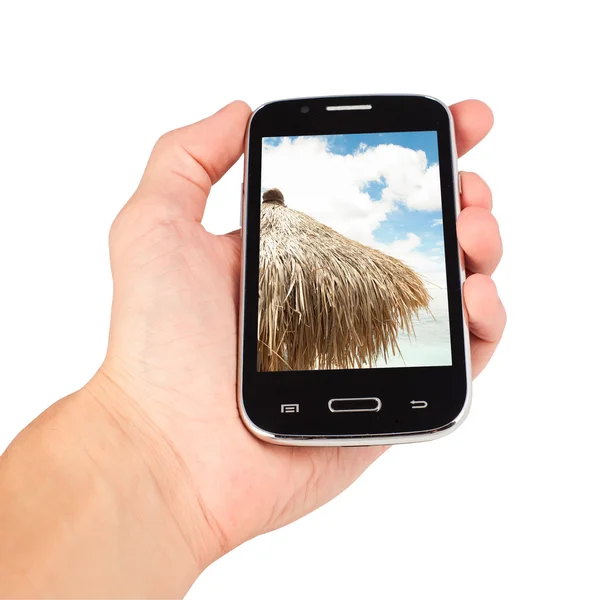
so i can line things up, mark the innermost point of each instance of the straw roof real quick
(325, 301)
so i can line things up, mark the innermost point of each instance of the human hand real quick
(169, 378)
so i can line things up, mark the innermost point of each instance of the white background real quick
(507, 507)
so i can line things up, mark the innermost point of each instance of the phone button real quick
(345, 405)
(419, 403)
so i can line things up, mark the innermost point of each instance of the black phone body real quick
(352, 326)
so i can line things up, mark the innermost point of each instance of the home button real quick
(346, 405)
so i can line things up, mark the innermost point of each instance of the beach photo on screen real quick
(351, 260)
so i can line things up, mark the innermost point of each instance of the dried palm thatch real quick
(325, 301)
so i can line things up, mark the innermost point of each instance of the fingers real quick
(472, 122)
(486, 312)
(487, 318)
(475, 191)
(477, 229)
(480, 240)
(479, 237)
(186, 162)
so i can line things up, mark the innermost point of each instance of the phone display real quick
(352, 328)
(352, 270)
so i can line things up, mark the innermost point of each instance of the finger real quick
(487, 318)
(186, 162)
(475, 191)
(473, 120)
(479, 237)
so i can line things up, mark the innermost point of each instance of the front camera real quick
(304, 109)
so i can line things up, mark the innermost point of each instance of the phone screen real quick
(352, 271)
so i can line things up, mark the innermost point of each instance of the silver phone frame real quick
(350, 440)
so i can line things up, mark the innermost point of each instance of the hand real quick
(169, 378)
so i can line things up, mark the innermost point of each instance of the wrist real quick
(161, 478)
(89, 506)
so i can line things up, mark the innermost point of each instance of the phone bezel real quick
(446, 389)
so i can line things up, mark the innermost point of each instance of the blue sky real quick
(349, 143)
(402, 220)
(415, 140)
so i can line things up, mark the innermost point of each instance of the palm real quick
(173, 344)
(183, 284)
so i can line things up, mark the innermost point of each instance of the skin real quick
(133, 485)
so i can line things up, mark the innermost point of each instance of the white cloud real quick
(329, 187)
(436, 222)
(426, 195)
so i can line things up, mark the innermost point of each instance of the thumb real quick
(186, 162)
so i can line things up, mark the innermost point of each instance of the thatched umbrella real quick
(325, 301)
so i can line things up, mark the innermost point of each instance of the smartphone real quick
(352, 327)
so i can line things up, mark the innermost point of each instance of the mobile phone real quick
(352, 327)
